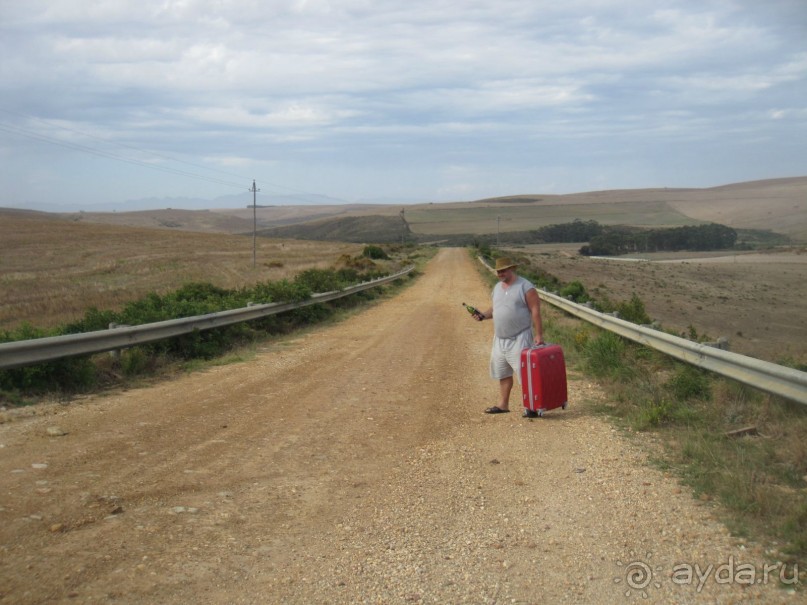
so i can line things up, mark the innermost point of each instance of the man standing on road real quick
(516, 309)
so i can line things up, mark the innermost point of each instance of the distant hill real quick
(356, 229)
(779, 205)
(180, 220)
(233, 201)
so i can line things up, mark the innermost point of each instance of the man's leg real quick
(505, 386)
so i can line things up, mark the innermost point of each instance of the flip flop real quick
(495, 410)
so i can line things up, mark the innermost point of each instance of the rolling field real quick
(757, 301)
(52, 270)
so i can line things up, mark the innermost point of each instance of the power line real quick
(254, 191)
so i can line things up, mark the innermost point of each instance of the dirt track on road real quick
(351, 464)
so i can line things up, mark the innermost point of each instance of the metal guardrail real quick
(764, 375)
(29, 352)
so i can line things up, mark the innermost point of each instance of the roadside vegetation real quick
(85, 373)
(731, 444)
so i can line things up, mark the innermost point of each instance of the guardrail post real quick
(721, 343)
(115, 353)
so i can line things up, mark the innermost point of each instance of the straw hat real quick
(504, 263)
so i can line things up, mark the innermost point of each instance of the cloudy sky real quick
(420, 100)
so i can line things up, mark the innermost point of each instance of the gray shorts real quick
(505, 356)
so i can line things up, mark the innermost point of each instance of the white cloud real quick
(791, 113)
(113, 49)
(331, 79)
(230, 161)
(285, 116)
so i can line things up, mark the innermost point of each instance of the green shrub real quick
(654, 414)
(25, 332)
(199, 291)
(280, 291)
(375, 253)
(604, 354)
(633, 310)
(348, 276)
(575, 291)
(483, 249)
(542, 279)
(72, 374)
(689, 382)
(134, 361)
(92, 321)
(320, 280)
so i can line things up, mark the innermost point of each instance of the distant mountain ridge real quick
(237, 200)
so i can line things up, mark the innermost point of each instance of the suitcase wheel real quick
(540, 413)
(565, 405)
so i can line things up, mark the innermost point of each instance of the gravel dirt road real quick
(353, 464)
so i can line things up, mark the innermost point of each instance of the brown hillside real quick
(777, 204)
(180, 220)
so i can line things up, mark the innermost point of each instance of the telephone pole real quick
(403, 227)
(254, 191)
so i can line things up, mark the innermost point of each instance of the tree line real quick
(620, 239)
(624, 240)
(576, 231)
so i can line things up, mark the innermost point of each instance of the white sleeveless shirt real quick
(511, 315)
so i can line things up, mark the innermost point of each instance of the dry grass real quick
(757, 301)
(52, 270)
(682, 416)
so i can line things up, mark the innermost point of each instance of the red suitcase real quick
(543, 378)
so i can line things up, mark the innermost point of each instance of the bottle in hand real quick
(474, 311)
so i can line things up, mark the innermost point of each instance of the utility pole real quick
(403, 227)
(254, 191)
(497, 230)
